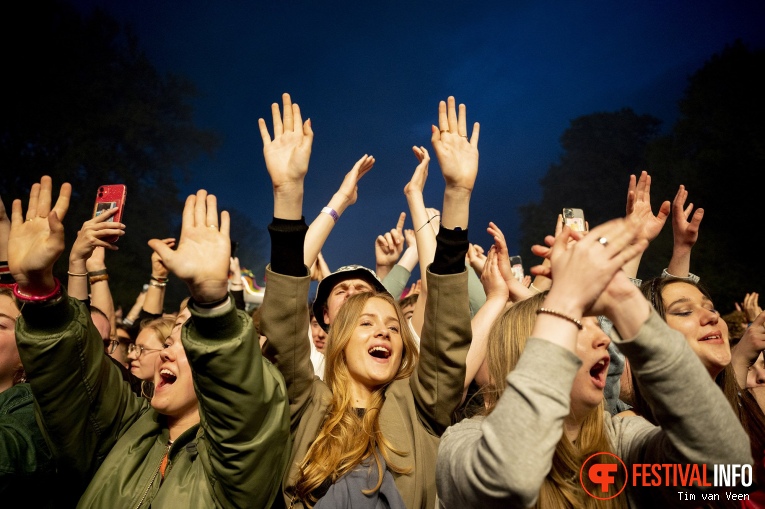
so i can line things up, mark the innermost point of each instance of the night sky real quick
(370, 75)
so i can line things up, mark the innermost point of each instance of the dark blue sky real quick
(370, 76)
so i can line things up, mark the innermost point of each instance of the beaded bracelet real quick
(37, 298)
(561, 315)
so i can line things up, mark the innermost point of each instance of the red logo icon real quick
(603, 472)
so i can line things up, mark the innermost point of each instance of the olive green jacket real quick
(115, 440)
(416, 410)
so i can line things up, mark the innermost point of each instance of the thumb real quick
(162, 250)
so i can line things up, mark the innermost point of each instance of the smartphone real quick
(517, 267)
(574, 218)
(109, 197)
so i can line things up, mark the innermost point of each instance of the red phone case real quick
(107, 198)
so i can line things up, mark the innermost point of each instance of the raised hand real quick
(491, 277)
(287, 157)
(685, 232)
(158, 268)
(91, 236)
(288, 154)
(746, 351)
(639, 207)
(751, 306)
(476, 258)
(389, 246)
(349, 189)
(203, 255)
(35, 244)
(518, 291)
(457, 155)
(581, 270)
(417, 183)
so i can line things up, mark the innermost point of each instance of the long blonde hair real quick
(347, 438)
(561, 487)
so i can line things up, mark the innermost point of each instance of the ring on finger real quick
(603, 241)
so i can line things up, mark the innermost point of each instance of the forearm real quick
(423, 232)
(680, 263)
(321, 227)
(77, 285)
(481, 325)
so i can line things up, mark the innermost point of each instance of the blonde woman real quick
(143, 353)
(545, 411)
(369, 433)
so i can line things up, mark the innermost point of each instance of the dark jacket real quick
(115, 440)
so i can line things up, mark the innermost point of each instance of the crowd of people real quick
(469, 387)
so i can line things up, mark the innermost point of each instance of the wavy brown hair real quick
(348, 437)
(561, 488)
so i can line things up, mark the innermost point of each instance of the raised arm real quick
(517, 290)
(497, 296)
(83, 404)
(90, 237)
(425, 222)
(242, 399)
(685, 233)
(284, 312)
(438, 382)
(639, 209)
(345, 196)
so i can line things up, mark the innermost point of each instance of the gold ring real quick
(444, 130)
(464, 136)
(212, 226)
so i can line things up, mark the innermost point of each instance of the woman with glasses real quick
(217, 427)
(143, 353)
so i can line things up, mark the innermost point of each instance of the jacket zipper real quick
(151, 481)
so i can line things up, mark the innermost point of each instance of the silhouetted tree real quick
(717, 149)
(601, 151)
(83, 104)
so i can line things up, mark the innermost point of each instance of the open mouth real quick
(715, 337)
(599, 371)
(379, 352)
(166, 377)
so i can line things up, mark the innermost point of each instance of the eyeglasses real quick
(139, 350)
(110, 345)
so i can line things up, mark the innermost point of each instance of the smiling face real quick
(143, 358)
(590, 380)
(688, 310)
(373, 354)
(174, 394)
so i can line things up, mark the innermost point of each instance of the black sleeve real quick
(287, 244)
(238, 299)
(451, 249)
